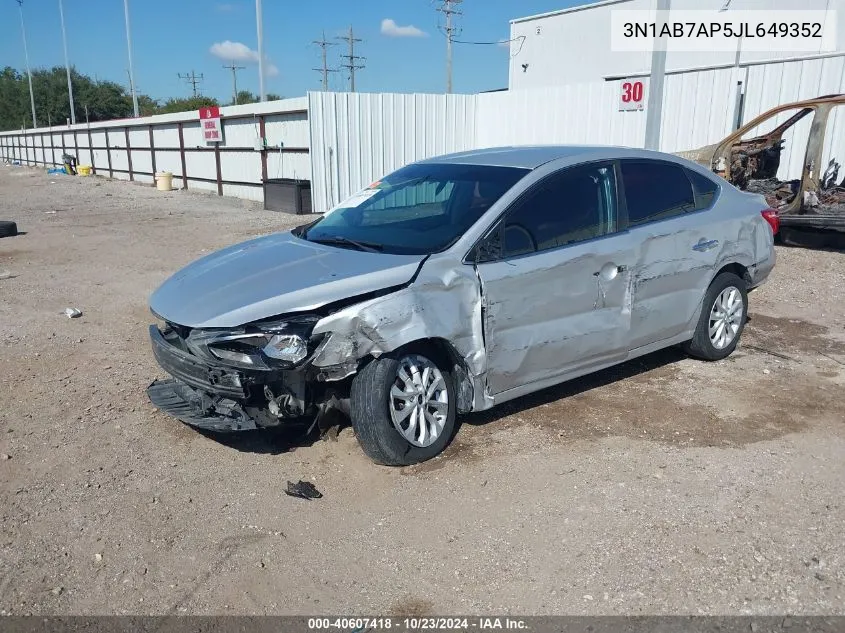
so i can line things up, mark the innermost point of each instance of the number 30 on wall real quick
(632, 94)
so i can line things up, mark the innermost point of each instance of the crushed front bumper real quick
(197, 408)
(194, 371)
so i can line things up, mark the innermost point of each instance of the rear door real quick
(554, 276)
(679, 240)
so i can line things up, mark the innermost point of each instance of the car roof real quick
(533, 156)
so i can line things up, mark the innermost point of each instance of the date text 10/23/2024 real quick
(416, 624)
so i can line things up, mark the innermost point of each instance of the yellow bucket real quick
(84, 170)
(164, 181)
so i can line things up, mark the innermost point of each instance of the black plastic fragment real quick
(303, 490)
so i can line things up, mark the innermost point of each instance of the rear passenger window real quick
(704, 189)
(573, 205)
(656, 191)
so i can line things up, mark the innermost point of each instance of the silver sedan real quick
(457, 283)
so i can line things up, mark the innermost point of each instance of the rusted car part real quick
(817, 199)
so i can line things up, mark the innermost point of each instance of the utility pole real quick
(67, 64)
(259, 19)
(193, 79)
(234, 70)
(449, 8)
(129, 48)
(351, 58)
(325, 70)
(654, 107)
(28, 73)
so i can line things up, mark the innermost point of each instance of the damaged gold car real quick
(789, 154)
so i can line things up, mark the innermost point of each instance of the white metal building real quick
(573, 46)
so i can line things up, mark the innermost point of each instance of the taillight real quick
(771, 216)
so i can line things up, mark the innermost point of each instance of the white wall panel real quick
(358, 138)
(241, 166)
(141, 161)
(286, 123)
(169, 161)
(288, 165)
(139, 137)
(166, 136)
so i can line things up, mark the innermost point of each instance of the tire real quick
(8, 229)
(373, 408)
(702, 345)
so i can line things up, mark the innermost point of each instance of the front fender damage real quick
(443, 303)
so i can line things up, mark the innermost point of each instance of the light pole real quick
(654, 108)
(259, 18)
(129, 48)
(67, 64)
(28, 73)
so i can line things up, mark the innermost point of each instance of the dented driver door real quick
(555, 279)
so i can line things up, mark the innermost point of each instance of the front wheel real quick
(722, 319)
(403, 408)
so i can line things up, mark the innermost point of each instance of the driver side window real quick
(570, 206)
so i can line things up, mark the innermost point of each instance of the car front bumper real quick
(196, 372)
(196, 408)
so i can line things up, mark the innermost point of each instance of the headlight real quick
(261, 346)
(290, 348)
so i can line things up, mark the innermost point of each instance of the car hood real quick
(273, 275)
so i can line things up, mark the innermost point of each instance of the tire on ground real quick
(700, 346)
(8, 228)
(370, 413)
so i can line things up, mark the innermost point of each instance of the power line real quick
(351, 58)
(449, 8)
(193, 79)
(325, 70)
(235, 70)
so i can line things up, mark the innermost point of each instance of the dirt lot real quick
(664, 486)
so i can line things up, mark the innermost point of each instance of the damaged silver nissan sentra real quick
(457, 283)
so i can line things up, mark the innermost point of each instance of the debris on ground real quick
(778, 193)
(303, 490)
(5, 274)
(72, 313)
(8, 228)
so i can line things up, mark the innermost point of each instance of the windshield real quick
(418, 209)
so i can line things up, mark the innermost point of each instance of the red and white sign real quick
(632, 94)
(212, 130)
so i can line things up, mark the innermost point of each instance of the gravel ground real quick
(662, 486)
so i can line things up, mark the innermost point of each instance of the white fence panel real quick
(241, 164)
(358, 138)
(578, 114)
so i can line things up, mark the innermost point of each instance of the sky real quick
(404, 50)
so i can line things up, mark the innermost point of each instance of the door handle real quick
(705, 245)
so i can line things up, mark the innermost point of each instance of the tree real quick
(14, 103)
(147, 106)
(104, 99)
(190, 103)
(244, 97)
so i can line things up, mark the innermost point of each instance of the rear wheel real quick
(403, 408)
(722, 319)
